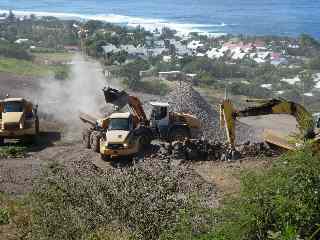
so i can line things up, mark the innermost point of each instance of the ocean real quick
(215, 17)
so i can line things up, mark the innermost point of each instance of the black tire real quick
(86, 138)
(95, 141)
(179, 134)
(1, 141)
(144, 141)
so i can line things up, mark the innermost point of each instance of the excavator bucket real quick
(227, 120)
(115, 97)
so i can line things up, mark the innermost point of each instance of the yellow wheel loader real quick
(307, 125)
(18, 119)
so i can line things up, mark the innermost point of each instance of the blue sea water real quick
(252, 17)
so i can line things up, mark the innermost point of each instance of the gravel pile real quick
(184, 98)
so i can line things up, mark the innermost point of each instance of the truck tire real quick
(86, 138)
(95, 141)
(179, 134)
(143, 142)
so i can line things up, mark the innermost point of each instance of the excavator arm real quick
(122, 98)
(228, 115)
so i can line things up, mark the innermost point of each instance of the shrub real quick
(281, 203)
(14, 51)
(12, 151)
(61, 72)
(4, 216)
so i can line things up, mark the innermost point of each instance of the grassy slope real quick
(29, 68)
(58, 57)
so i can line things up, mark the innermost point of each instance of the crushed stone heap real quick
(184, 98)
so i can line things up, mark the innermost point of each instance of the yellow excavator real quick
(307, 125)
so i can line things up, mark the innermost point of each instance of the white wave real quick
(147, 23)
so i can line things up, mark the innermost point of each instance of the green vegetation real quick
(131, 71)
(54, 56)
(13, 151)
(13, 51)
(314, 63)
(4, 216)
(280, 203)
(47, 32)
(28, 68)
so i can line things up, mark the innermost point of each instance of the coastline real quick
(149, 24)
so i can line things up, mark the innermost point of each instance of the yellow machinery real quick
(18, 119)
(125, 134)
(305, 120)
(163, 123)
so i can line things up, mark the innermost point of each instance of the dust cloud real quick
(63, 100)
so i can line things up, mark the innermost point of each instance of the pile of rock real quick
(199, 150)
(203, 150)
(184, 98)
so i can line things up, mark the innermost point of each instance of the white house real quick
(215, 53)
(21, 40)
(194, 45)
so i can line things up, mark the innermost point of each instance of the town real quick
(254, 66)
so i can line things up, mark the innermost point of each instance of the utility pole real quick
(303, 75)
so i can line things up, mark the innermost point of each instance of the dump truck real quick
(116, 135)
(18, 119)
(307, 124)
(128, 133)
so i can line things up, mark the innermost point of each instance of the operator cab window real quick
(13, 107)
(119, 124)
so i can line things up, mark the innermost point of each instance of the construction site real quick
(69, 113)
(93, 127)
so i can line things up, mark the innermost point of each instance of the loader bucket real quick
(115, 97)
